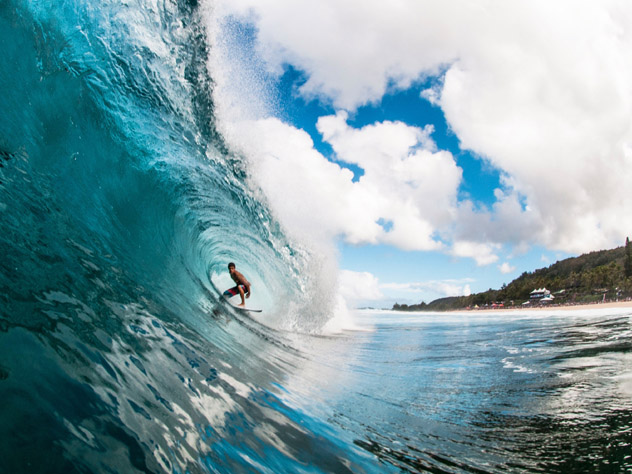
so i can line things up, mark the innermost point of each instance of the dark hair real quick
(231, 264)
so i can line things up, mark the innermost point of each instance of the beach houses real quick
(541, 295)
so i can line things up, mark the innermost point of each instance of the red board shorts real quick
(234, 290)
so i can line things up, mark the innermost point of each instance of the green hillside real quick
(582, 279)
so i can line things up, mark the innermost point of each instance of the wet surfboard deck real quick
(249, 310)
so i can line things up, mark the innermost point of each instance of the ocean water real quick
(120, 206)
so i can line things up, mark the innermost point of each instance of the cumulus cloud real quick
(541, 90)
(407, 191)
(413, 185)
(505, 268)
(548, 108)
(482, 253)
(359, 286)
(351, 51)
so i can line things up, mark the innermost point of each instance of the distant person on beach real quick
(242, 288)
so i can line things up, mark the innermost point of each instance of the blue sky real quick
(436, 148)
(420, 275)
(400, 105)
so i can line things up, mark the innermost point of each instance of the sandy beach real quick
(565, 307)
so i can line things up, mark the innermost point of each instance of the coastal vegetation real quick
(592, 277)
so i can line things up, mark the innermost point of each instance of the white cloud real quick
(542, 90)
(505, 268)
(482, 253)
(412, 185)
(310, 195)
(405, 183)
(359, 286)
(350, 50)
(549, 105)
(433, 288)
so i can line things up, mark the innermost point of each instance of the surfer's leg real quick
(241, 294)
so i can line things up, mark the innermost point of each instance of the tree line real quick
(582, 279)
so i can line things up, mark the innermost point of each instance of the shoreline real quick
(541, 307)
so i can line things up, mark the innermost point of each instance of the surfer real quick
(242, 288)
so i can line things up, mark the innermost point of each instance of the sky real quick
(440, 148)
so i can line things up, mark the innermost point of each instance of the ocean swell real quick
(120, 206)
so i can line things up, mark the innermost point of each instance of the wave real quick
(120, 206)
(120, 132)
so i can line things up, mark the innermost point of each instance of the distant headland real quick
(595, 277)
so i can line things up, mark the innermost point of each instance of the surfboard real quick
(250, 310)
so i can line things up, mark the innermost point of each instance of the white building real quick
(540, 293)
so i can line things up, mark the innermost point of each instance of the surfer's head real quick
(231, 266)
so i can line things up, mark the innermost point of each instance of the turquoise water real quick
(120, 206)
(504, 392)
